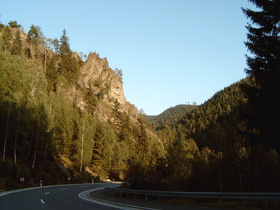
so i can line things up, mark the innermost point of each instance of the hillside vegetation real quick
(231, 142)
(64, 115)
(171, 115)
(208, 149)
(62, 118)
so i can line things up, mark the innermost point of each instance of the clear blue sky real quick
(171, 51)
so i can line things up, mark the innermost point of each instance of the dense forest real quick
(171, 115)
(46, 134)
(231, 143)
(60, 127)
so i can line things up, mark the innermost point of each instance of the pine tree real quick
(68, 66)
(117, 117)
(14, 24)
(33, 38)
(98, 148)
(263, 67)
(64, 49)
(7, 38)
(51, 74)
(17, 45)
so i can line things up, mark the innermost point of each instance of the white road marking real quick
(46, 193)
(42, 201)
(63, 189)
(85, 196)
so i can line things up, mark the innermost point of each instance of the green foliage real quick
(1, 44)
(145, 160)
(180, 156)
(68, 65)
(2, 26)
(17, 45)
(24, 124)
(14, 24)
(34, 39)
(33, 35)
(41, 123)
(263, 67)
(7, 38)
(215, 123)
(119, 73)
(195, 148)
(171, 115)
(224, 159)
(52, 74)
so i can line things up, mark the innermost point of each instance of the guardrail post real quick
(135, 197)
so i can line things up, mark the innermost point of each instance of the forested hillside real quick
(208, 150)
(64, 119)
(171, 115)
(231, 142)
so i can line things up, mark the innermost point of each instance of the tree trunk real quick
(31, 51)
(249, 170)
(50, 110)
(45, 60)
(6, 136)
(15, 143)
(36, 144)
(221, 181)
(82, 150)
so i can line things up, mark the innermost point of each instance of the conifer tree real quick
(14, 24)
(98, 148)
(64, 49)
(7, 38)
(33, 40)
(263, 67)
(55, 43)
(51, 74)
(117, 116)
(17, 45)
(67, 66)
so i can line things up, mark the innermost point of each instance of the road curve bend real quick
(58, 197)
(75, 197)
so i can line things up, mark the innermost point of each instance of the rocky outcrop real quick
(96, 76)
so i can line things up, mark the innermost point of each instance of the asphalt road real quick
(76, 197)
(49, 198)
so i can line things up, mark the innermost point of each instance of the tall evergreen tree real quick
(14, 24)
(51, 74)
(7, 38)
(264, 69)
(64, 49)
(33, 37)
(17, 45)
(67, 66)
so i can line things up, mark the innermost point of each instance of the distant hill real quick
(172, 114)
(215, 123)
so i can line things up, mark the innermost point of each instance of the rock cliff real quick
(98, 78)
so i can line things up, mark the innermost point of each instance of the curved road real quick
(77, 197)
(53, 197)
